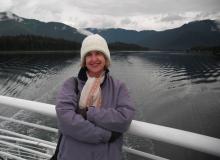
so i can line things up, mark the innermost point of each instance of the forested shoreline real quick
(206, 49)
(40, 43)
(35, 43)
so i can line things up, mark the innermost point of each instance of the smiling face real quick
(95, 62)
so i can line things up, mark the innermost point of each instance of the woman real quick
(93, 120)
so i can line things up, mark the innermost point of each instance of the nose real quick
(93, 57)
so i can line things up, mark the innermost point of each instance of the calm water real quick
(171, 89)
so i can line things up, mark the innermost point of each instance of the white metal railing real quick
(29, 124)
(25, 149)
(173, 136)
(26, 141)
(26, 137)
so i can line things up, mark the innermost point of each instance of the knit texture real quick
(94, 43)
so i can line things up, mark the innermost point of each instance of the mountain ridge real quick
(195, 33)
(11, 26)
(192, 34)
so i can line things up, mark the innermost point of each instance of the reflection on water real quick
(18, 72)
(175, 90)
(33, 77)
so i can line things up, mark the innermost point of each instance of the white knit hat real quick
(94, 42)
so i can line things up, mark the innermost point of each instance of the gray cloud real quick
(5, 5)
(208, 15)
(130, 14)
(131, 7)
(125, 21)
(171, 18)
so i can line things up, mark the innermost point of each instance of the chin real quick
(96, 71)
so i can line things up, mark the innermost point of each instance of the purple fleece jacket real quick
(89, 139)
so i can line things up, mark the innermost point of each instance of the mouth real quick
(95, 64)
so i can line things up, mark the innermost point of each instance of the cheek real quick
(86, 61)
(103, 60)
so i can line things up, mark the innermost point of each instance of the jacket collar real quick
(83, 76)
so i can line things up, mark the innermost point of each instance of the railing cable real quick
(30, 124)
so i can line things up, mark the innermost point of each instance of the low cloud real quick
(208, 15)
(125, 21)
(171, 18)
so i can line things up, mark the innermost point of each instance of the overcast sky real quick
(128, 14)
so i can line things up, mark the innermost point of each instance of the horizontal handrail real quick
(129, 150)
(43, 108)
(40, 144)
(30, 124)
(11, 156)
(19, 153)
(26, 137)
(143, 154)
(25, 149)
(173, 136)
(177, 137)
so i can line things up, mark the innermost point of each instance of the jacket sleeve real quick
(116, 118)
(72, 124)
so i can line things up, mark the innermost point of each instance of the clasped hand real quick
(114, 135)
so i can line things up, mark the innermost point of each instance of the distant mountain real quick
(119, 35)
(126, 47)
(11, 25)
(198, 33)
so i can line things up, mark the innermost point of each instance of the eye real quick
(88, 54)
(98, 53)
